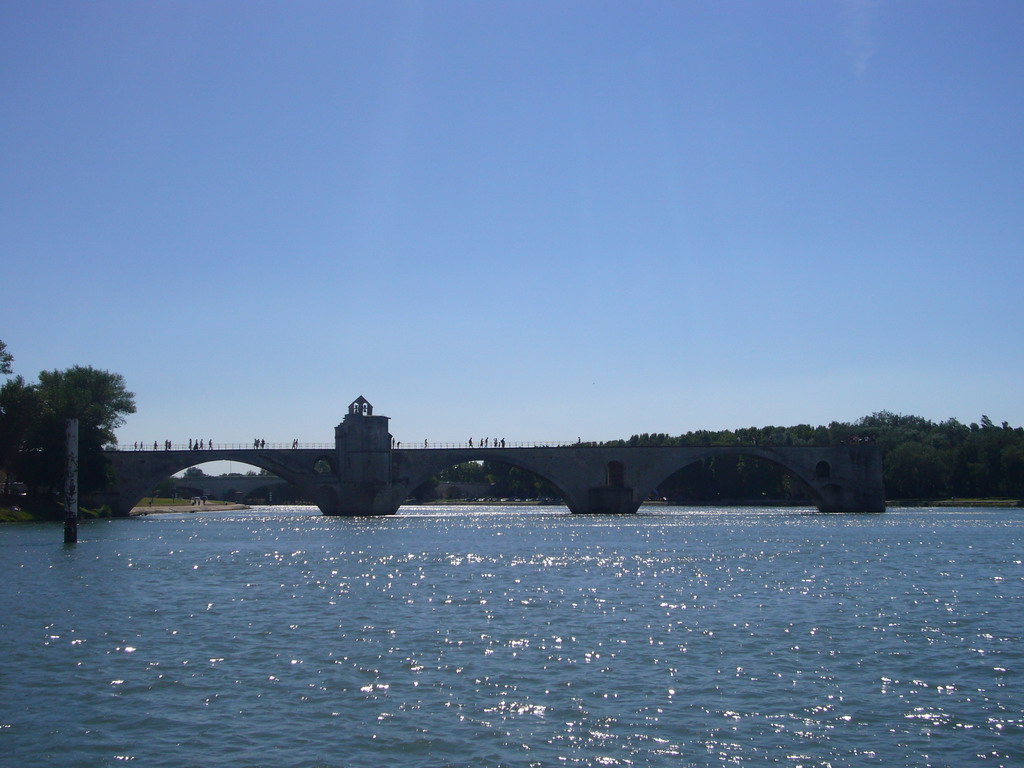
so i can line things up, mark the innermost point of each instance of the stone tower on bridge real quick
(363, 443)
(362, 446)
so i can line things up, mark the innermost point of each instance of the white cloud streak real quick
(857, 20)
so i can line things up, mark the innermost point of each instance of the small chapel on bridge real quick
(360, 407)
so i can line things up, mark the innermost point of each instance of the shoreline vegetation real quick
(33, 513)
(29, 510)
(955, 503)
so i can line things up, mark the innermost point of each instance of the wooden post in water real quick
(71, 483)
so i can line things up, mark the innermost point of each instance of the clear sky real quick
(524, 220)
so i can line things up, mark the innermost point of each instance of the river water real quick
(502, 636)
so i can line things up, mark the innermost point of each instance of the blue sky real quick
(529, 220)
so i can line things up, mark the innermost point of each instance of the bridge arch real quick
(211, 480)
(138, 472)
(803, 475)
(417, 467)
(244, 489)
(837, 478)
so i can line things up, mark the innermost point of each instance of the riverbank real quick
(161, 509)
(25, 510)
(955, 503)
(22, 509)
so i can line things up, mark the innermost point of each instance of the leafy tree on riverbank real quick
(39, 412)
(19, 410)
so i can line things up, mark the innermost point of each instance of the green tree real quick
(19, 410)
(99, 400)
(6, 358)
(468, 472)
(1011, 461)
(913, 471)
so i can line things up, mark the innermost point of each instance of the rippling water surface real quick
(480, 636)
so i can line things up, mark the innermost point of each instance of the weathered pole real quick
(71, 483)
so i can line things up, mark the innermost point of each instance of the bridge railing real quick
(159, 446)
(426, 444)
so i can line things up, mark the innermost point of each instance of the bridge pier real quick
(355, 499)
(850, 500)
(610, 500)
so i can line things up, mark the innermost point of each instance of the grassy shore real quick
(28, 510)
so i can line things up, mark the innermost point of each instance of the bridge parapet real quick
(154, 448)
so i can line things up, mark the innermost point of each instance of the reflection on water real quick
(468, 635)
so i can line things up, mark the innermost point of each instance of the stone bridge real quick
(364, 474)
